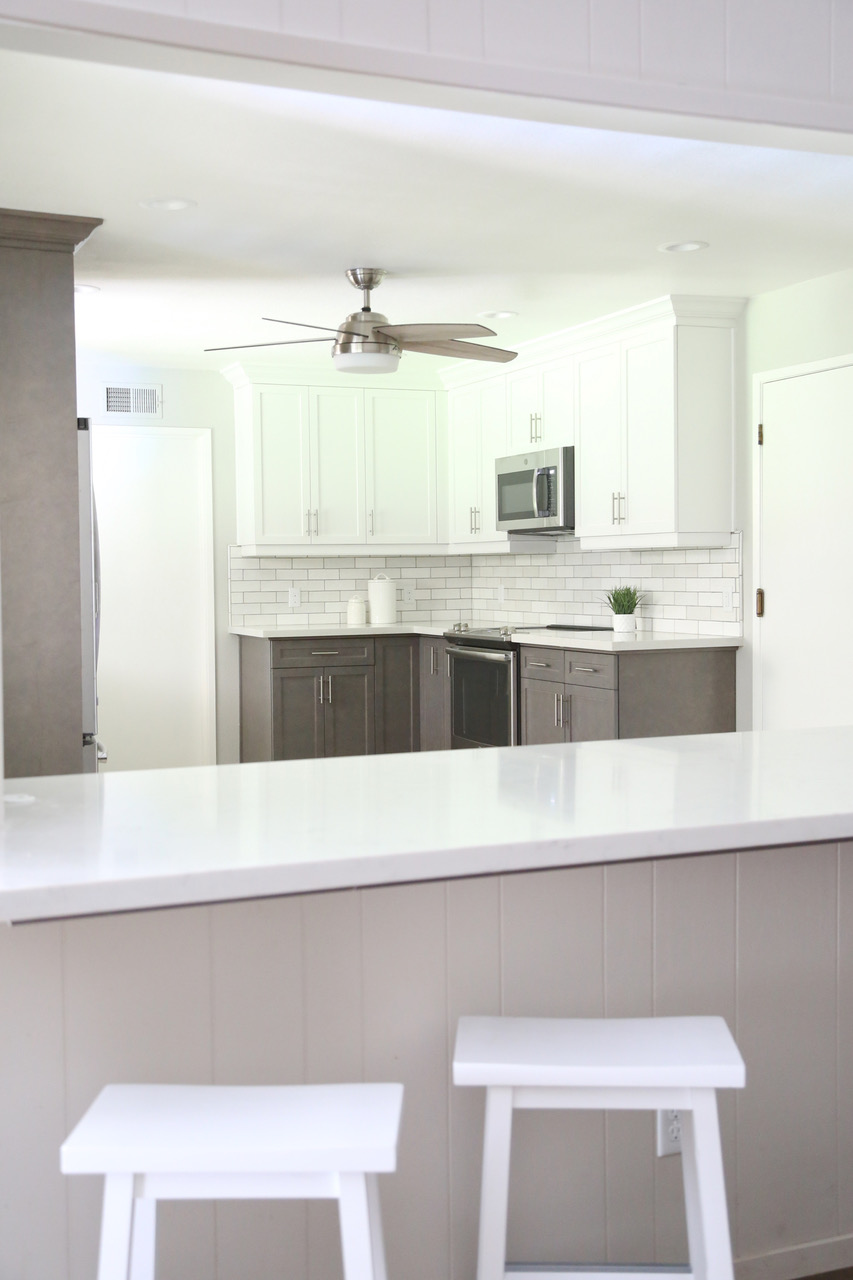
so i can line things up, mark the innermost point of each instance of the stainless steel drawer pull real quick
(330, 690)
(432, 659)
(562, 724)
(556, 711)
(321, 689)
(590, 670)
(538, 664)
(324, 653)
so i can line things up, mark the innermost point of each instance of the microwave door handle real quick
(537, 472)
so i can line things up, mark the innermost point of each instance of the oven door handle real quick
(490, 655)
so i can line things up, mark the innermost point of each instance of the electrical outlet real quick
(293, 596)
(669, 1133)
(728, 592)
(501, 594)
(407, 593)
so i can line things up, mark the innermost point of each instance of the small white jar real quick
(356, 612)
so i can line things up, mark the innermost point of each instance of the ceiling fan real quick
(366, 343)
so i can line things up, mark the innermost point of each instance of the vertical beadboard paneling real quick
(780, 48)
(787, 918)
(385, 24)
(33, 1240)
(456, 28)
(332, 1033)
(614, 37)
(405, 1038)
(137, 1009)
(845, 1040)
(256, 961)
(676, 36)
(473, 987)
(558, 37)
(694, 943)
(629, 1135)
(553, 967)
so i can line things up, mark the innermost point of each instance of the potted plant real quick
(623, 601)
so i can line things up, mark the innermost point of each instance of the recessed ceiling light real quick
(167, 204)
(87, 288)
(683, 246)
(497, 315)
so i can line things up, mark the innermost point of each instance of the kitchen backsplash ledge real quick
(686, 592)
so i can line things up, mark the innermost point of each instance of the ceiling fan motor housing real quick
(371, 354)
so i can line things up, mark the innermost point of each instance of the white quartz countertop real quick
(84, 844)
(597, 641)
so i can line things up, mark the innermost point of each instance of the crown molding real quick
(54, 232)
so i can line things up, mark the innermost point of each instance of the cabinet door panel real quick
(525, 411)
(337, 455)
(396, 676)
(589, 714)
(558, 405)
(435, 696)
(493, 444)
(598, 458)
(540, 712)
(282, 474)
(401, 466)
(464, 462)
(648, 479)
(297, 715)
(349, 711)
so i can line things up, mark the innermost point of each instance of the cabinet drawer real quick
(319, 651)
(542, 664)
(595, 669)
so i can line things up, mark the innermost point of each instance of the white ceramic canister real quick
(356, 611)
(382, 594)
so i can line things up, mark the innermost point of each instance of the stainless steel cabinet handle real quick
(556, 711)
(471, 520)
(432, 659)
(321, 689)
(476, 519)
(623, 515)
(370, 519)
(538, 664)
(613, 517)
(329, 699)
(532, 418)
(308, 524)
(316, 522)
(590, 670)
(447, 656)
(324, 653)
(561, 724)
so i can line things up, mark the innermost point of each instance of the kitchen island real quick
(325, 920)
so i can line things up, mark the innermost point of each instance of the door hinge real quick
(761, 433)
(759, 603)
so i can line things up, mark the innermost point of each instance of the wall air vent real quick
(144, 401)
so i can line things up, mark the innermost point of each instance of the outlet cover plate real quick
(669, 1133)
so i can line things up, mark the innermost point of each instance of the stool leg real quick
(356, 1233)
(705, 1190)
(116, 1221)
(375, 1215)
(494, 1192)
(143, 1239)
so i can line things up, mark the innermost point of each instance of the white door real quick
(804, 536)
(156, 692)
(337, 465)
(401, 466)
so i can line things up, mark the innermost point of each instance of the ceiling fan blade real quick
(300, 325)
(289, 342)
(434, 332)
(460, 350)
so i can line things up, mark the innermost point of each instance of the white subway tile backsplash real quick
(689, 592)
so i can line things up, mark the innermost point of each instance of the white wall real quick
(191, 399)
(805, 322)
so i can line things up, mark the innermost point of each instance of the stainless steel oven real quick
(483, 690)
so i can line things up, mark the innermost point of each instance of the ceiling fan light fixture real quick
(366, 361)
(497, 315)
(684, 246)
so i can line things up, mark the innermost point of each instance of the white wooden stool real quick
(628, 1064)
(223, 1142)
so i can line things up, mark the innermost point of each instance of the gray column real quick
(39, 535)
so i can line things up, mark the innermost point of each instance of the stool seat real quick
(694, 1052)
(157, 1142)
(160, 1128)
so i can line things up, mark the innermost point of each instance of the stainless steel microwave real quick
(535, 492)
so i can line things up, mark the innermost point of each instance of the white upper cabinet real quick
(334, 466)
(401, 466)
(653, 459)
(478, 435)
(540, 406)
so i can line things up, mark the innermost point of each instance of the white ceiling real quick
(468, 213)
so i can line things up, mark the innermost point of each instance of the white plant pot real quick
(624, 622)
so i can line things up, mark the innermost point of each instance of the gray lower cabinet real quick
(322, 696)
(435, 695)
(571, 696)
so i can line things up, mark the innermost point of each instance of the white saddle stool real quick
(629, 1064)
(223, 1142)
